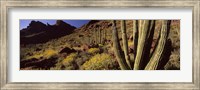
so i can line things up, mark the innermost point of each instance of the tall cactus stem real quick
(117, 49)
(125, 42)
(135, 37)
(157, 55)
(143, 33)
(99, 32)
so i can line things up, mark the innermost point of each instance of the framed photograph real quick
(99, 44)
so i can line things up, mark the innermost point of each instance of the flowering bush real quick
(93, 50)
(49, 53)
(69, 59)
(99, 62)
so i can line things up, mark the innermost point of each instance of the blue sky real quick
(76, 23)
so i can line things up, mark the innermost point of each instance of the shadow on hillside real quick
(41, 64)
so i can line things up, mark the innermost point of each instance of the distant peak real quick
(60, 22)
(93, 21)
(34, 23)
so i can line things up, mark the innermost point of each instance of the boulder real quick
(67, 50)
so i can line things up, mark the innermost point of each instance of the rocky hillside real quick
(62, 46)
(37, 32)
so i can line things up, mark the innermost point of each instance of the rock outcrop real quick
(38, 32)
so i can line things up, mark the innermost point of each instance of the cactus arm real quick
(105, 34)
(125, 42)
(151, 27)
(135, 36)
(157, 55)
(143, 33)
(99, 35)
(95, 33)
(117, 49)
(140, 28)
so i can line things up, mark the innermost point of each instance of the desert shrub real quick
(82, 58)
(174, 61)
(46, 54)
(105, 48)
(69, 61)
(36, 56)
(58, 65)
(100, 62)
(69, 58)
(172, 65)
(93, 50)
(49, 53)
(100, 45)
(67, 45)
(77, 48)
(130, 43)
(80, 61)
(26, 53)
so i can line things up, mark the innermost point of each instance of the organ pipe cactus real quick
(157, 55)
(135, 36)
(125, 42)
(104, 35)
(96, 35)
(142, 32)
(99, 31)
(117, 49)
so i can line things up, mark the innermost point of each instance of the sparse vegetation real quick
(94, 50)
(69, 61)
(91, 47)
(100, 62)
(49, 53)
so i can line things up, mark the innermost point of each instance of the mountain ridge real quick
(38, 32)
(93, 40)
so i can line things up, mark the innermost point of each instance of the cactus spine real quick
(125, 42)
(157, 55)
(117, 49)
